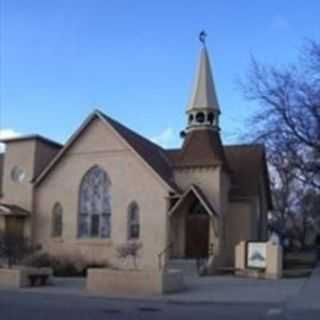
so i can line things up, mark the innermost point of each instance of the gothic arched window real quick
(133, 221)
(95, 205)
(57, 220)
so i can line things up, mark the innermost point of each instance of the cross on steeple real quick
(202, 37)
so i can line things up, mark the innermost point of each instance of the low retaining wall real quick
(19, 277)
(126, 282)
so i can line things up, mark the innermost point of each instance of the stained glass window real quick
(95, 205)
(133, 221)
(57, 220)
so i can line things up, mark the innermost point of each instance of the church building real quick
(108, 185)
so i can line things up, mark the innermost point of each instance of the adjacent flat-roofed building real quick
(108, 185)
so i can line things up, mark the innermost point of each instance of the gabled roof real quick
(150, 153)
(12, 210)
(248, 164)
(200, 148)
(196, 191)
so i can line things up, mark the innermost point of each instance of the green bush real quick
(63, 266)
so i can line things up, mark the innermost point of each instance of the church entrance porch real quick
(192, 226)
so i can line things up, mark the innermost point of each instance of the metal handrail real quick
(169, 246)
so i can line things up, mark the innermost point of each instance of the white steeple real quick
(204, 94)
(203, 109)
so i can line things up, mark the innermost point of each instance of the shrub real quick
(129, 249)
(64, 266)
(14, 247)
(41, 260)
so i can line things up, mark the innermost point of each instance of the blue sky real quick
(136, 60)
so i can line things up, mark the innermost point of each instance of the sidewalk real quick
(204, 290)
(309, 296)
(230, 289)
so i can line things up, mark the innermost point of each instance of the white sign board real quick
(257, 255)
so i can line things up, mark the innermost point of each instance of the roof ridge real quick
(161, 150)
(151, 162)
(127, 128)
(143, 147)
(32, 136)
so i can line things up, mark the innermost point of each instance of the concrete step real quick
(188, 266)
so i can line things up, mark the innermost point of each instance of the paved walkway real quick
(230, 289)
(205, 290)
(294, 299)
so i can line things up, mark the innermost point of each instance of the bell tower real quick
(203, 109)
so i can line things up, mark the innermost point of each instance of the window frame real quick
(98, 192)
(133, 222)
(57, 220)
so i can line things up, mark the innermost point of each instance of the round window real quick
(17, 174)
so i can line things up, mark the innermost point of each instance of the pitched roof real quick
(197, 192)
(248, 162)
(200, 148)
(32, 137)
(12, 210)
(150, 152)
(153, 155)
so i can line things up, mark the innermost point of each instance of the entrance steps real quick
(187, 266)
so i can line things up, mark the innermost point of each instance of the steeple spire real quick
(203, 109)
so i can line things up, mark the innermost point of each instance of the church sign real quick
(256, 255)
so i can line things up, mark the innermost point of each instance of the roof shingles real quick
(246, 163)
(153, 154)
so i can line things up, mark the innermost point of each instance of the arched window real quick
(190, 118)
(210, 117)
(95, 205)
(200, 117)
(133, 221)
(57, 220)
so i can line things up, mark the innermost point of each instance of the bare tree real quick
(309, 206)
(129, 249)
(288, 123)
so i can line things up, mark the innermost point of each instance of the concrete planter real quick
(124, 282)
(18, 277)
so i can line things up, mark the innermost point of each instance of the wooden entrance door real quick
(14, 225)
(197, 235)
